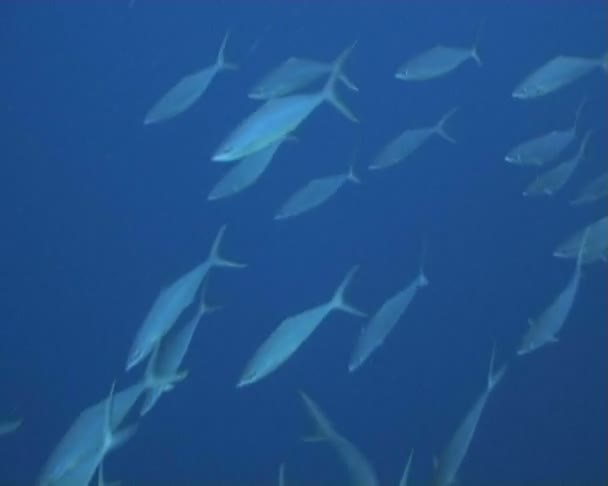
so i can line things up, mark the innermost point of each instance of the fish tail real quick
(338, 300)
(215, 256)
(423, 280)
(440, 127)
(475, 56)
(579, 110)
(329, 90)
(221, 57)
(494, 377)
(203, 306)
(346, 81)
(605, 62)
(475, 48)
(352, 175)
(581, 249)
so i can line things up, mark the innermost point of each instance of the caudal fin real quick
(494, 377)
(221, 55)
(215, 258)
(440, 127)
(329, 90)
(339, 302)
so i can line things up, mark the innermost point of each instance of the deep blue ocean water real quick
(99, 212)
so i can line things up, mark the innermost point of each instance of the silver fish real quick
(75, 454)
(596, 246)
(172, 301)
(359, 469)
(551, 181)
(244, 173)
(293, 75)
(410, 141)
(545, 328)
(438, 61)
(556, 74)
(292, 332)
(314, 193)
(594, 190)
(384, 320)
(188, 90)
(450, 461)
(541, 150)
(280, 116)
(163, 371)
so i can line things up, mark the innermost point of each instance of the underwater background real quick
(99, 212)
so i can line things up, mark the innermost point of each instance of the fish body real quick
(551, 181)
(313, 194)
(545, 328)
(188, 90)
(410, 141)
(435, 62)
(291, 333)
(293, 75)
(383, 322)
(74, 455)
(593, 191)
(278, 117)
(556, 74)
(545, 148)
(455, 452)
(172, 301)
(163, 369)
(596, 247)
(244, 173)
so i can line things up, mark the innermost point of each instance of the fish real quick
(594, 190)
(188, 90)
(551, 181)
(74, 456)
(292, 332)
(10, 426)
(406, 470)
(545, 148)
(360, 470)
(314, 194)
(172, 301)
(596, 246)
(278, 117)
(384, 320)
(163, 370)
(293, 75)
(110, 439)
(438, 61)
(410, 141)
(556, 74)
(456, 450)
(245, 172)
(545, 328)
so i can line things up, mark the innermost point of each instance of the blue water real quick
(99, 212)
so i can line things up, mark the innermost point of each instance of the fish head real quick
(513, 158)
(257, 94)
(136, 355)
(227, 152)
(403, 74)
(526, 92)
